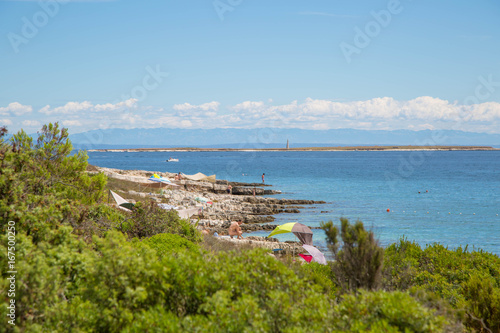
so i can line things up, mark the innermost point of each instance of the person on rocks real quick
(229, 189)
(235, 229)
(263, 178)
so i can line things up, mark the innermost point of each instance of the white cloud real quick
(69, 108)
(484, 112)
(202, 107)
(4, 122)
(423, 112)
(129, 103)
(420, 113)
(249, 106)
(31, 123)
(185, 124)
(77, 107)
(16, 109)
(71, 123)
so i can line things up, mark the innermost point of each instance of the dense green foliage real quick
(41, 185)
(148, 219)
(359, 263)
(468, 281)
(165, 244)
(113, 286)
(386, 312)
(84, 266)
(320, 275)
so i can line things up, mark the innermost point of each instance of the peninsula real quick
(333, 148)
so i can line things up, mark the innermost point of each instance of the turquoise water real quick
(458, 203)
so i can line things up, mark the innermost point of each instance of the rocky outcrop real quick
(254, 211)
(225, 183)
(240, 190)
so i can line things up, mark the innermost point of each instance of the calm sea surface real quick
(458, 203)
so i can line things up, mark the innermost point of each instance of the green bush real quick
(359, 263)
(320, 275)
(97, 220)
(222, 292)
(165, 244)
(41, 186)
(110, 285)
(48, 274)
(385, 312)
(468, 281)
(483, 297)
(148, 219)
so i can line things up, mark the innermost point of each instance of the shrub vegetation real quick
(359, 262)
(468, 281)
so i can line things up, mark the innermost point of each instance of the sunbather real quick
(235, 230)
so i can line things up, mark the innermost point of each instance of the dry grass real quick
(122, 187)
(214, 245)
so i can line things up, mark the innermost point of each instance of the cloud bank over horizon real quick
(384, 113)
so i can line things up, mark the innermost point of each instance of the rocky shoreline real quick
(255, 211)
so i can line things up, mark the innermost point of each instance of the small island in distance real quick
(333, 148)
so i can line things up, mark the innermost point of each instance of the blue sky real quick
(241, 63)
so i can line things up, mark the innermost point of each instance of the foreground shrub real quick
(111, 286)
(385, 312)
(49, 273)
(147, 219)
(97, 220)
(122, 284)
(359, 263)
(483, 303)
(41, 185)
(468, 281)
(165, 244)
(320, 275)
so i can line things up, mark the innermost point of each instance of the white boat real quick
(173, 159)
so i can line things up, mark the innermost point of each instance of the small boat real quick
(173, 159)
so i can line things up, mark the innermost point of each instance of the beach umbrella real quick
(158, 179)
(306, 257)
(303, 233)
(317, 255)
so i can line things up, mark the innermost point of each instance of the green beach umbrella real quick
(303, 233)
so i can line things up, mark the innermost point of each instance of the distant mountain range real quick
(271, 138)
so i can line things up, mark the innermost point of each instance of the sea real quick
(446, 197)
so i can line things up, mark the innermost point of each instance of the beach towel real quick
(306, 257)
(187, 213)
(167, 206)
(200, 177)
